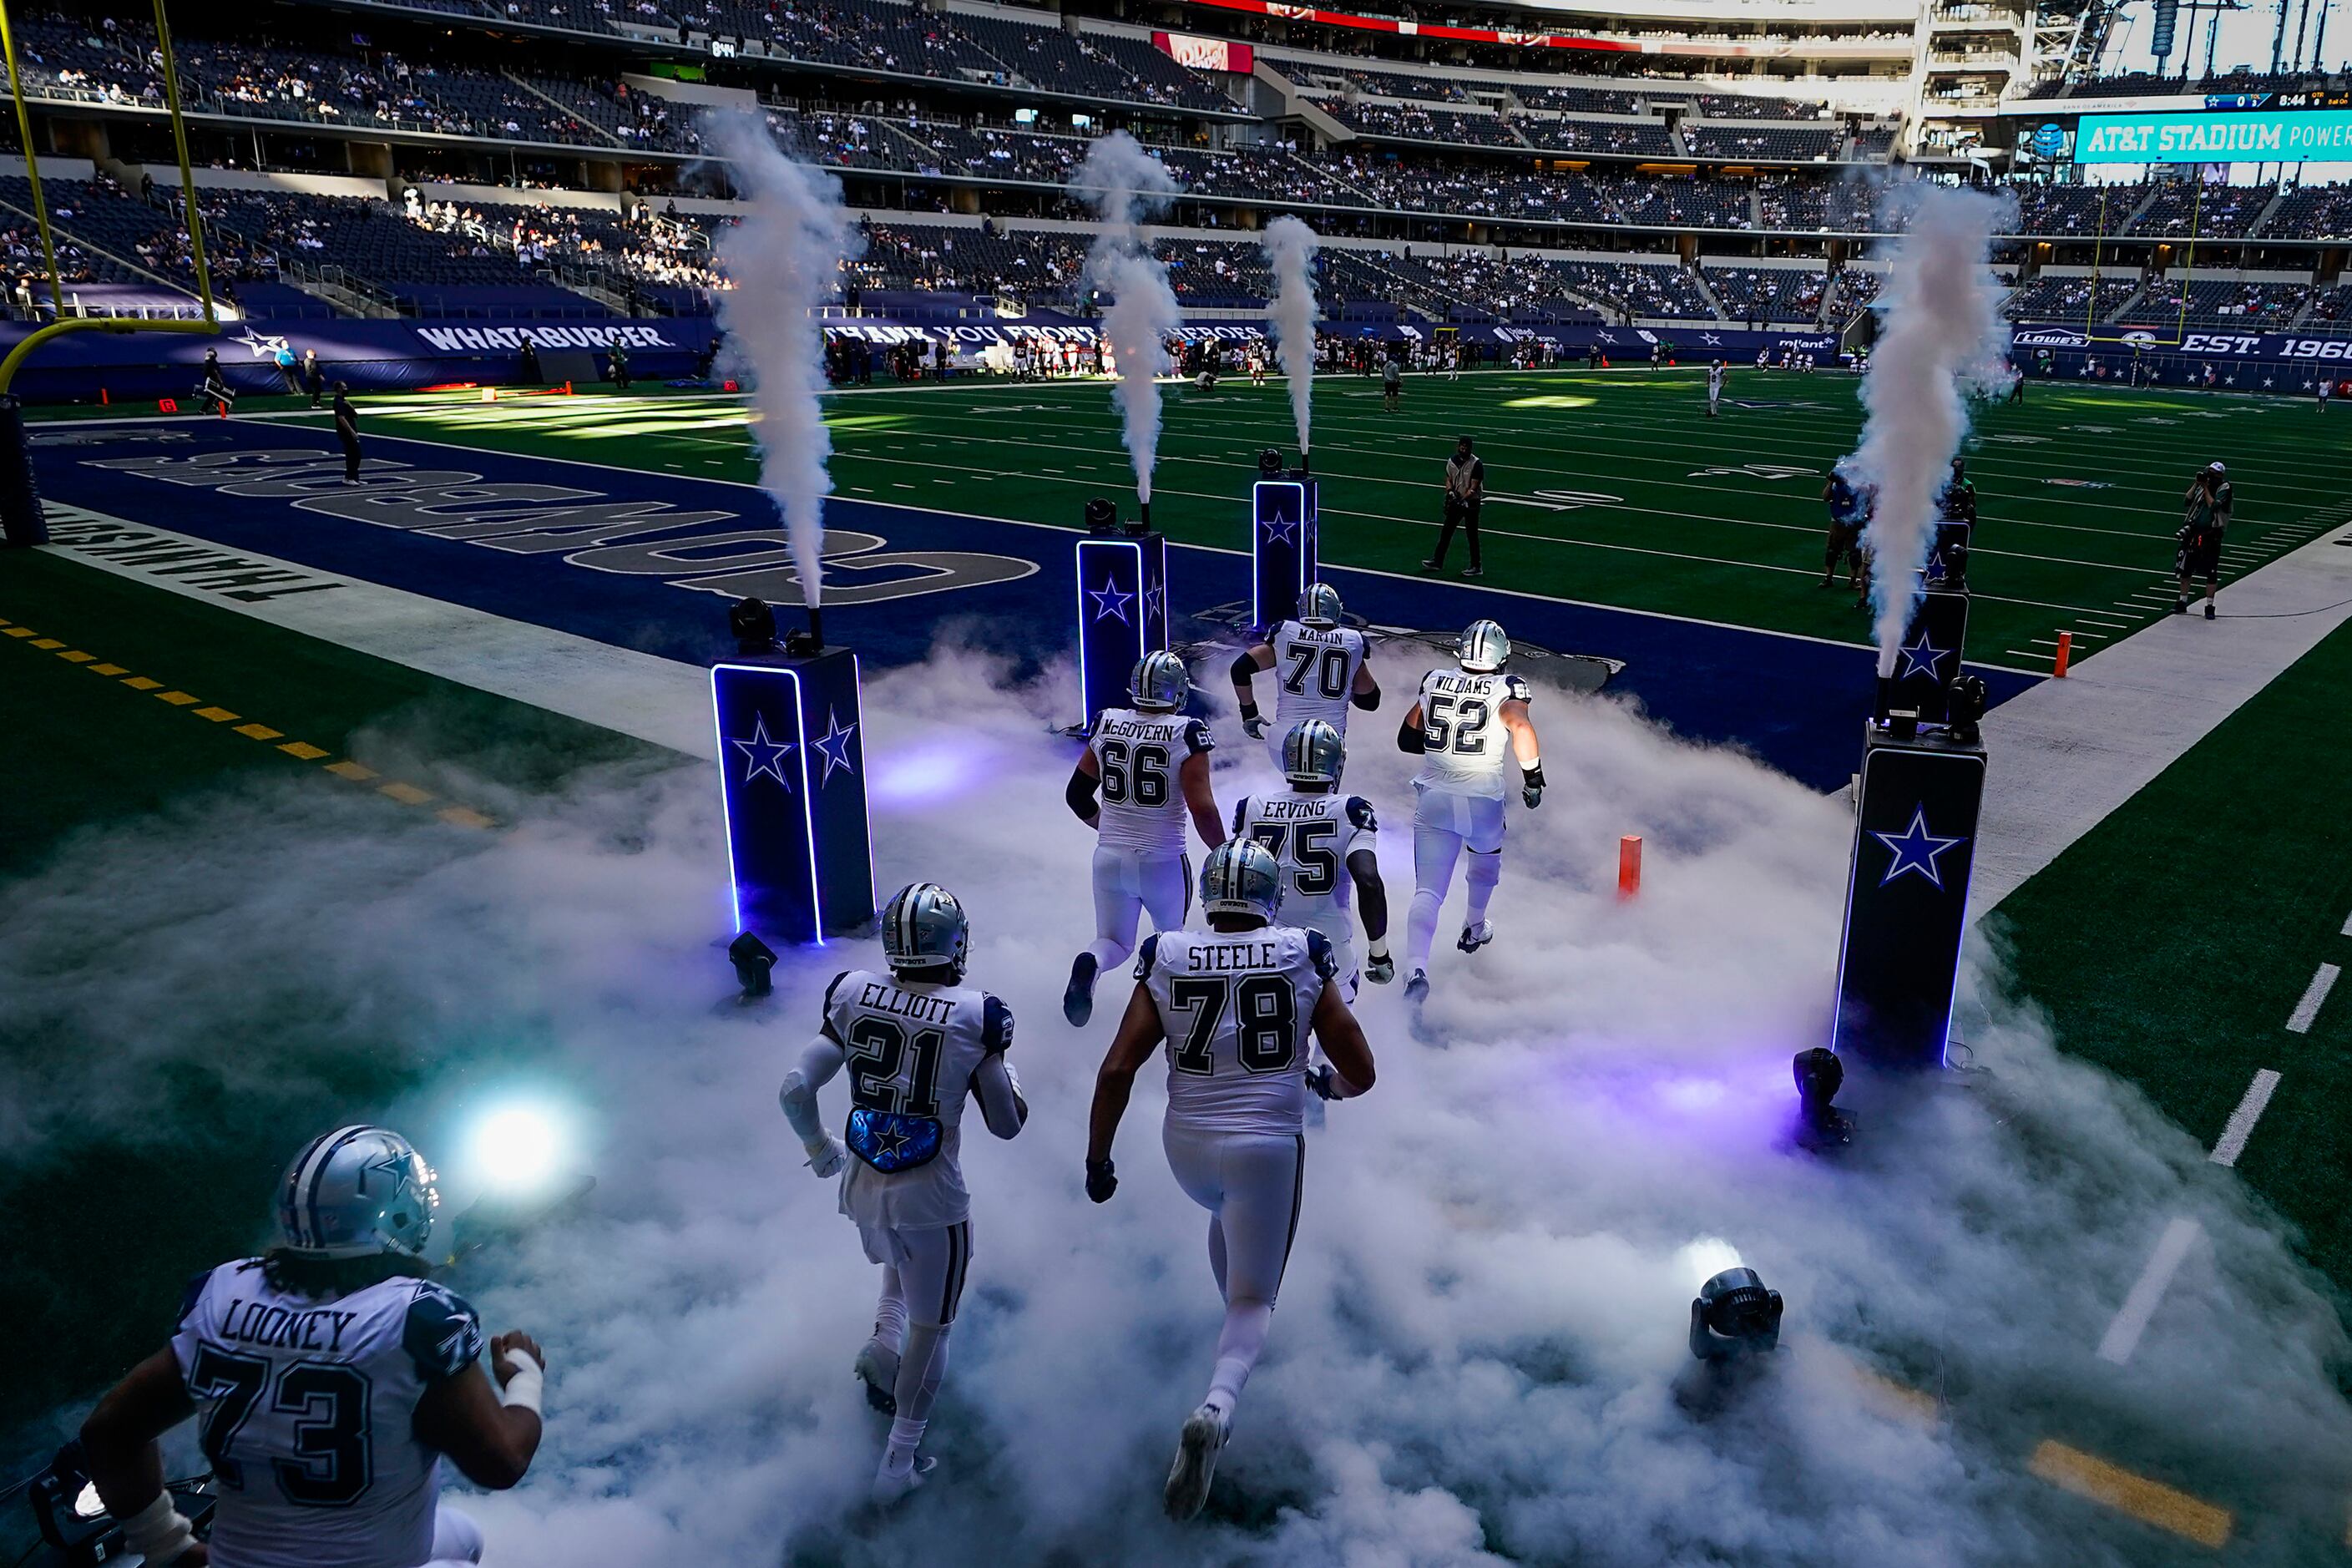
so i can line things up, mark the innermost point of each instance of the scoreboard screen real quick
(2307, 135)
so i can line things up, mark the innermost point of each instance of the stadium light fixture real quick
(1733, 1315)
(516, 1150)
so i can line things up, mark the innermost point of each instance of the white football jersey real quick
(1235, 1007)
(1143, 801)
(307, 1409)
(909, 1053)
(1462, 733)
(1312, 836)
(1315, 667)
(1714, 380)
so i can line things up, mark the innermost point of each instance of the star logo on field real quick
(1286, 529)
(762, 755)
(263, 345)
(1110, 601)
(1923, 657)
(834, 747)
(1915, 849)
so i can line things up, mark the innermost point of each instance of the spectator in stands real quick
(1465, 493)
(347, 432)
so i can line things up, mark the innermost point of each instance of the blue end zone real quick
(650, 561)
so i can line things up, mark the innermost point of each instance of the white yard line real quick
(2132, 1319)
(2241, 1120)
(2306, 1011)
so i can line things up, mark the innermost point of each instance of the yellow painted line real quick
(45, 644)
(303, 750)
(108, 669)
(75, 656)
(176, 698)
(218, 715)
(258, 732)
(1897, 1401)
(2150, 1502)
(462, 817)
(407, 793)
(142, 683)
(353, 771)
(23, 632)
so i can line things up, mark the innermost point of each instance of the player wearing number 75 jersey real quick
(1151, 766)
(1320, 667)
(1464, 721)
(1235, 1005)
(330, 1377)
(1325, 842)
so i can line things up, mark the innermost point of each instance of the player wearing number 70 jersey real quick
(1464, 721)
(1233, 1004)
(1320, 667)
(1325, 842)
(1151, 766)
(331, 1378)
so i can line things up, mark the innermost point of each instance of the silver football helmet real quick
(1159, 684)
(1485, 649)
(1241, 877)
(923, 930)
(1319, 606)
(1314, 753)
(357, 1191)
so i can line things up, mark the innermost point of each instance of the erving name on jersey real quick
(1277, 808)
(283, 1328)
(884, 997)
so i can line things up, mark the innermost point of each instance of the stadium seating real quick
(2068, 298)
(2180, 207)
(1567, 135)
(1411, 122)
(1767, 293)
(2309, 212)
(1748, 139)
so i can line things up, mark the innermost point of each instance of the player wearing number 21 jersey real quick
(1150, 766)
(329, 1378)
(1320, 671)
(1467, 725)
(1233, 1006)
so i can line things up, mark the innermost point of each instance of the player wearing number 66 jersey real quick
(1320, 670)
(331, 1378)
(917, 1043)
(1325, 844)
(1151, 766)
(1467, 719)
(1235, 1005)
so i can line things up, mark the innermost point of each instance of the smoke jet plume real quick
(785, 259)
(1125, 185)
(1290, 247)
(1941, 340)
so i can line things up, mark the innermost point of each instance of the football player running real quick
(1324, 841)
(1464, 721)
(1235, 1005)
(917, 1043)
(331, 1378)
(1323, 671)
(1151, 765)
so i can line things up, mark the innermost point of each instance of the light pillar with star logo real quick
(791, 768)
(1907, 897)
(1122, 613)
(1932, 646)
(1282, 545)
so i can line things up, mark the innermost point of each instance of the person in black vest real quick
(1466, 492)
(347, 432)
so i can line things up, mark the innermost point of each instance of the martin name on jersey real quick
(1464, 739)
(306, 1410)
(1143, 808)
(1316, 668)
(1235, 1007)
(909, 1052)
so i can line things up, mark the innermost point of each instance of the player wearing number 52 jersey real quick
(1235, 1005)
(1324, 843)
(331, 1378)
(1150, 763)
(1467, 724)
(1320, 670)
(917, 1043)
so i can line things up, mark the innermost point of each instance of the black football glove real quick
(1253, 724)
(1531, 786)
(1319, 1078)
(1102, 1180)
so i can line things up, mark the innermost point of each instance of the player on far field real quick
(2205, 516)
(1235, 1005)
(330, 1377)
(1324, 842)
(917, 1043)
(1460, 725)
(1714, 387)
(1151, 765)
(1849, 506)
(1323, 671)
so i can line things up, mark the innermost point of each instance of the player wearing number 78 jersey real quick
(1466, 721)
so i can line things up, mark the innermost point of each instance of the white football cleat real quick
(1205, 1431)
(877, 1367)
(891, 1487)
(1475, 937)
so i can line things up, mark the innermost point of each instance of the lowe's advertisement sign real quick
(2319, 135)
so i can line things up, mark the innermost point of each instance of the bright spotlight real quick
(516, 1149)
(1705, 1259)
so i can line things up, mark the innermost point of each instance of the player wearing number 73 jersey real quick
(1151, 766)
(1467, 719)
(1235, 1005)
(330, 1377)
(1320, 670)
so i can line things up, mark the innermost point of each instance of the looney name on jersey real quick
(283, 1328)
(884, 997)
(1223, 959)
